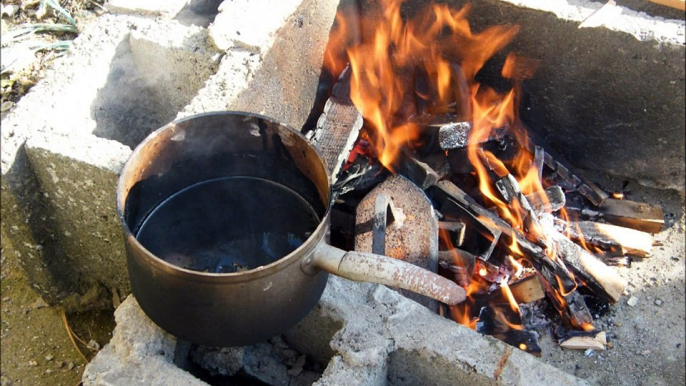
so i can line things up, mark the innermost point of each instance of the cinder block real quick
(79, 125)
(138, 353)
(384, 338)
(77, 176)
(167, 8)
(280, 79)
(610, 98)
(246, 24)
(173, 61)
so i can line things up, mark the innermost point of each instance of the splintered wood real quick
(337, 129)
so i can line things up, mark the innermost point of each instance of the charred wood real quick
(591, 271)
(637, 215)
(420, 173)
(450, 196)
(460, 263)
(498, 321)
(608, 237)
(456, 135)
(512, 194)
(551, 201)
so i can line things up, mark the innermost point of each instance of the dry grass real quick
(38, 32)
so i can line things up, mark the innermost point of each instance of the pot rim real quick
(298, 254)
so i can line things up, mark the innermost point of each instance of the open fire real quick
(419, 77)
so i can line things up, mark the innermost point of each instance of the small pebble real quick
(658, 302)
(610, 345)
(6, 106)
(632, 301)
(645, 353)
(588, 352)
(49, 357)
(93, 345)
(33, 363)
(70, 366)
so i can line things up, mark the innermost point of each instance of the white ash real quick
(534, 314)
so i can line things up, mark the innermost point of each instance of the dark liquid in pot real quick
(228, 225)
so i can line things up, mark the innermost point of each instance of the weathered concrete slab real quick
(383, 339)
(80, 122)
(78, 180)
(279, 75)
(607, 98)
(139, 353)
(245, 24)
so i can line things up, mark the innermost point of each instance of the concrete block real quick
(246, 24)
(168, 8)
(384, 339)
(281, 80)
(173, 62)
(124, 77)
(610, 98)
(138, 353)
(77, 177)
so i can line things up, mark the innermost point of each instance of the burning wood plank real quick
(526, 290)
(588, 189)
(637, 215)
(624, 241)
(595, 274)
(337, 128)
(461, 263)
(510, 191)
(448, 194)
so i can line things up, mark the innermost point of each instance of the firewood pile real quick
(505, 218)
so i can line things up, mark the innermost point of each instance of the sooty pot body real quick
(222, 309)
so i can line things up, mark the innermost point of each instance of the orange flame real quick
(398, 65)
(393, 54)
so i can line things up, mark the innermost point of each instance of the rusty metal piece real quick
(631, 214)
(383, 216)
(409, 238)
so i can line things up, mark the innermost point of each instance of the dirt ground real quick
(36, 348)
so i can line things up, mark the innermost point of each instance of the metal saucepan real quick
(172, 219)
